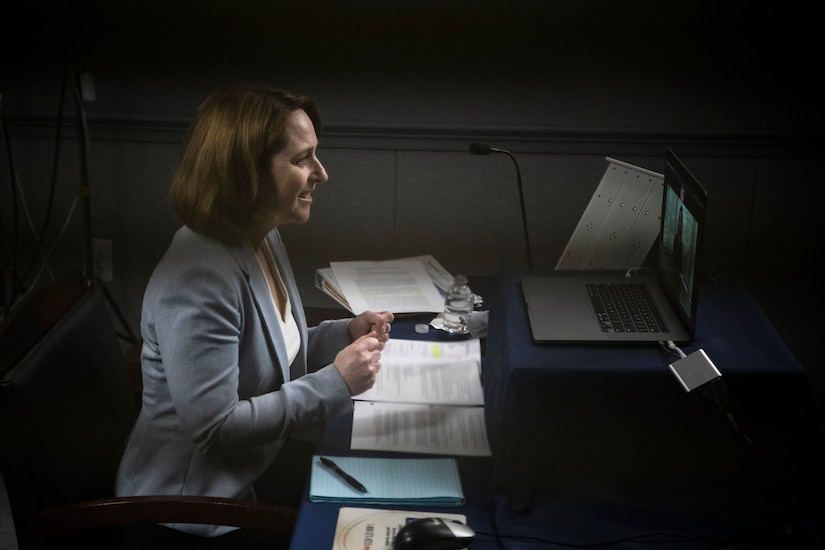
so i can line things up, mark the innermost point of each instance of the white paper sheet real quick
(400, 286)
(414, 371)
(418, 428)
(440, 382)
(427, 398)
(398, 349)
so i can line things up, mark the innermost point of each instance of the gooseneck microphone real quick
(480, 149)
(484, 149)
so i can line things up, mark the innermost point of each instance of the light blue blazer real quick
(218, 396)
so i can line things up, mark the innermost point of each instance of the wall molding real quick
(449, 139)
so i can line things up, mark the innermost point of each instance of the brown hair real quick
(230, 142)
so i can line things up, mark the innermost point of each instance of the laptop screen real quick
(683, 214)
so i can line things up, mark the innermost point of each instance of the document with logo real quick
(375, 529)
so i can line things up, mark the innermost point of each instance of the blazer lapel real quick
(276, 245)
(259, 289)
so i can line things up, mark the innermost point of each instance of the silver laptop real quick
(599, 306)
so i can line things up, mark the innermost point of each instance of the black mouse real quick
(433, 534)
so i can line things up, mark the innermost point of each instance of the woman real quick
(229, 367)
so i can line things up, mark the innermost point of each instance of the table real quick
(601, 443)
(315, 528)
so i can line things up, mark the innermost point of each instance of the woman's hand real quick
(370, 321)
(360, 362)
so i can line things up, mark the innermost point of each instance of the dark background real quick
(731, 86)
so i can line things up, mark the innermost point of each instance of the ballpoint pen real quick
(351, 481)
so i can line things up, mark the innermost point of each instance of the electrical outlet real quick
(87, 87)
(102, 259)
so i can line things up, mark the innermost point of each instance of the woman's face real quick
(294, 172)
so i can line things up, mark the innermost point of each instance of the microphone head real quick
(480, 149)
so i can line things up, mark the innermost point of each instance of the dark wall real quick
(636, 65)
(732, 86)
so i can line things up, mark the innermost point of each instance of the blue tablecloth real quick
(315, 528)
(601, 444)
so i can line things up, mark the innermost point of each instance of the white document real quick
(399, 286)
(437, 382)
(325, 282)
(415, 371)
(375, 529)
(442, 278)
(427, 398)
(399, 349)
(418, 428)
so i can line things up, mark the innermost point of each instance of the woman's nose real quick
(321, 173)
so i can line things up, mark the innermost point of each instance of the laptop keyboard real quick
(624, 307)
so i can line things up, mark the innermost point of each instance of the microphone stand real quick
(483, 149)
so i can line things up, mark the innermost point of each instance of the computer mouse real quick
(433, 534)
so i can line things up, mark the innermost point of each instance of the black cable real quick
(609, 542)
(50, 205)
(84, 189)
(129, 336)
(8, 298)
(85, 195)
(716, 392)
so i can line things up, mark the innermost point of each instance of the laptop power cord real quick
(696, 372)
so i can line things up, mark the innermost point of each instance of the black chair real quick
(66, 408)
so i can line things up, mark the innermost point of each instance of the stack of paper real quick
(427, 398)
(410, 481)
(407, 285)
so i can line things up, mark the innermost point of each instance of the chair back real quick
(66, 402)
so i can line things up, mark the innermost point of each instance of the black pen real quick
(351, 481)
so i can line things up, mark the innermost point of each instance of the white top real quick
(289, 328)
